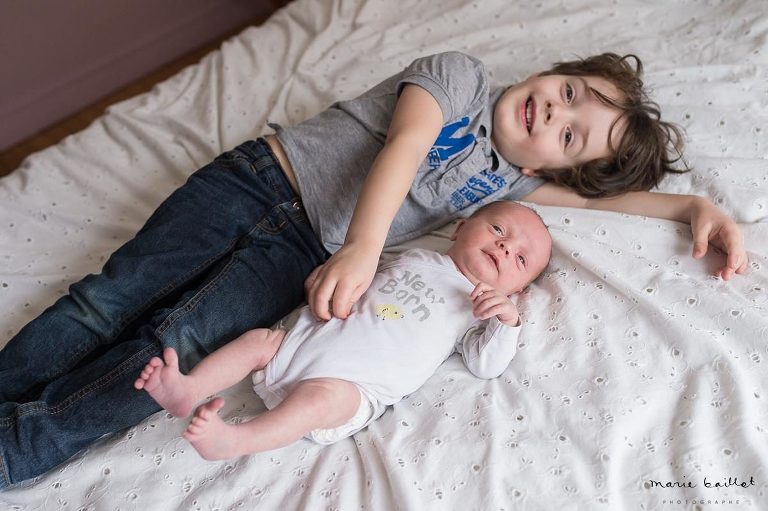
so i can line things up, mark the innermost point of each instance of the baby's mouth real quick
(493, 259)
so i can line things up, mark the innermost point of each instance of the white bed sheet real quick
(634, 364)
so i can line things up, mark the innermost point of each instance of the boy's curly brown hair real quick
(649, 147)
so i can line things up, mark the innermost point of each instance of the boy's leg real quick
(178, 393)
(259, 282)
(70, 414)
(319, 403)
(195, 228)
(99, 397)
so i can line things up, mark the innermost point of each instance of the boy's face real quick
(505, 246)
(554, 121)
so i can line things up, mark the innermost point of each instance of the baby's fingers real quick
(480, 288)
(493, 310)
(484, 304)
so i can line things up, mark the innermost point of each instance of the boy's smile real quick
(555, 121)
(528, 113)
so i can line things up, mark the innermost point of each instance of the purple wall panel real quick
(58, 56)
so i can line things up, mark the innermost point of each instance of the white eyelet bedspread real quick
(635, 366)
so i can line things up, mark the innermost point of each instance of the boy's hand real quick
(332, 288)
(487, 302)
(311, 278)
(710, 225)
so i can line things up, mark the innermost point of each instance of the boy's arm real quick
(708, 223)
(415, 125)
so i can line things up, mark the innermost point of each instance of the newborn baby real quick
(328, 380)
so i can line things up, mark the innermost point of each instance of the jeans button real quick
(296, 205)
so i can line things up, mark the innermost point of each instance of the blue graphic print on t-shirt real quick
(446, 146)
(476, 188)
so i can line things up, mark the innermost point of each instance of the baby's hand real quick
(488, 302)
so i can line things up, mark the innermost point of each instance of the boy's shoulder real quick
(451, 60)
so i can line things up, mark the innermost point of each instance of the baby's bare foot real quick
(165, 383)
(212, 437)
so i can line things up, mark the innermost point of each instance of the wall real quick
(58, 56)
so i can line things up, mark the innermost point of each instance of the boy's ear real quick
(528, 172)
(456, 231)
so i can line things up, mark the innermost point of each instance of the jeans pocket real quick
(274, 222)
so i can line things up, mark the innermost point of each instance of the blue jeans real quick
(226, 252)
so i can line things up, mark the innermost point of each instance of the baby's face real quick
(505, 246)
(555, 122)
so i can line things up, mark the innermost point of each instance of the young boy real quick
(229, 250)
(328, 380)
(587, 125)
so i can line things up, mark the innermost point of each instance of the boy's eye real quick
(568, 136)
(521, 259)
(568, 92)
(498, 229)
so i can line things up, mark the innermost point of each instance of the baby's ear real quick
(528, 172)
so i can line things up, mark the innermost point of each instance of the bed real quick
(641, 381)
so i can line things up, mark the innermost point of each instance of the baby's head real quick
(503, 244)
(587, 125)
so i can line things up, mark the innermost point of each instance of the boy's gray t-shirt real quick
(332, 152)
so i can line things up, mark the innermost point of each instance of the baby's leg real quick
(178, 393)
(320, 403)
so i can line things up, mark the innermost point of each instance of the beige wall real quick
(58, 56)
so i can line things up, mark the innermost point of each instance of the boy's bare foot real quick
(165, 383)
(213, 438)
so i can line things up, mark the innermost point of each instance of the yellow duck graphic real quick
(388, 311)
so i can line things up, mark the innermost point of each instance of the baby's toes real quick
(215, 405)
(171, 358)
(198, 421)
(193, 430)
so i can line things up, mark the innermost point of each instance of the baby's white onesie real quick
(415, 314)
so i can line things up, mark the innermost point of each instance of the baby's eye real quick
(568, 92)
(521, 259)
(498, 229)
(568, 136)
